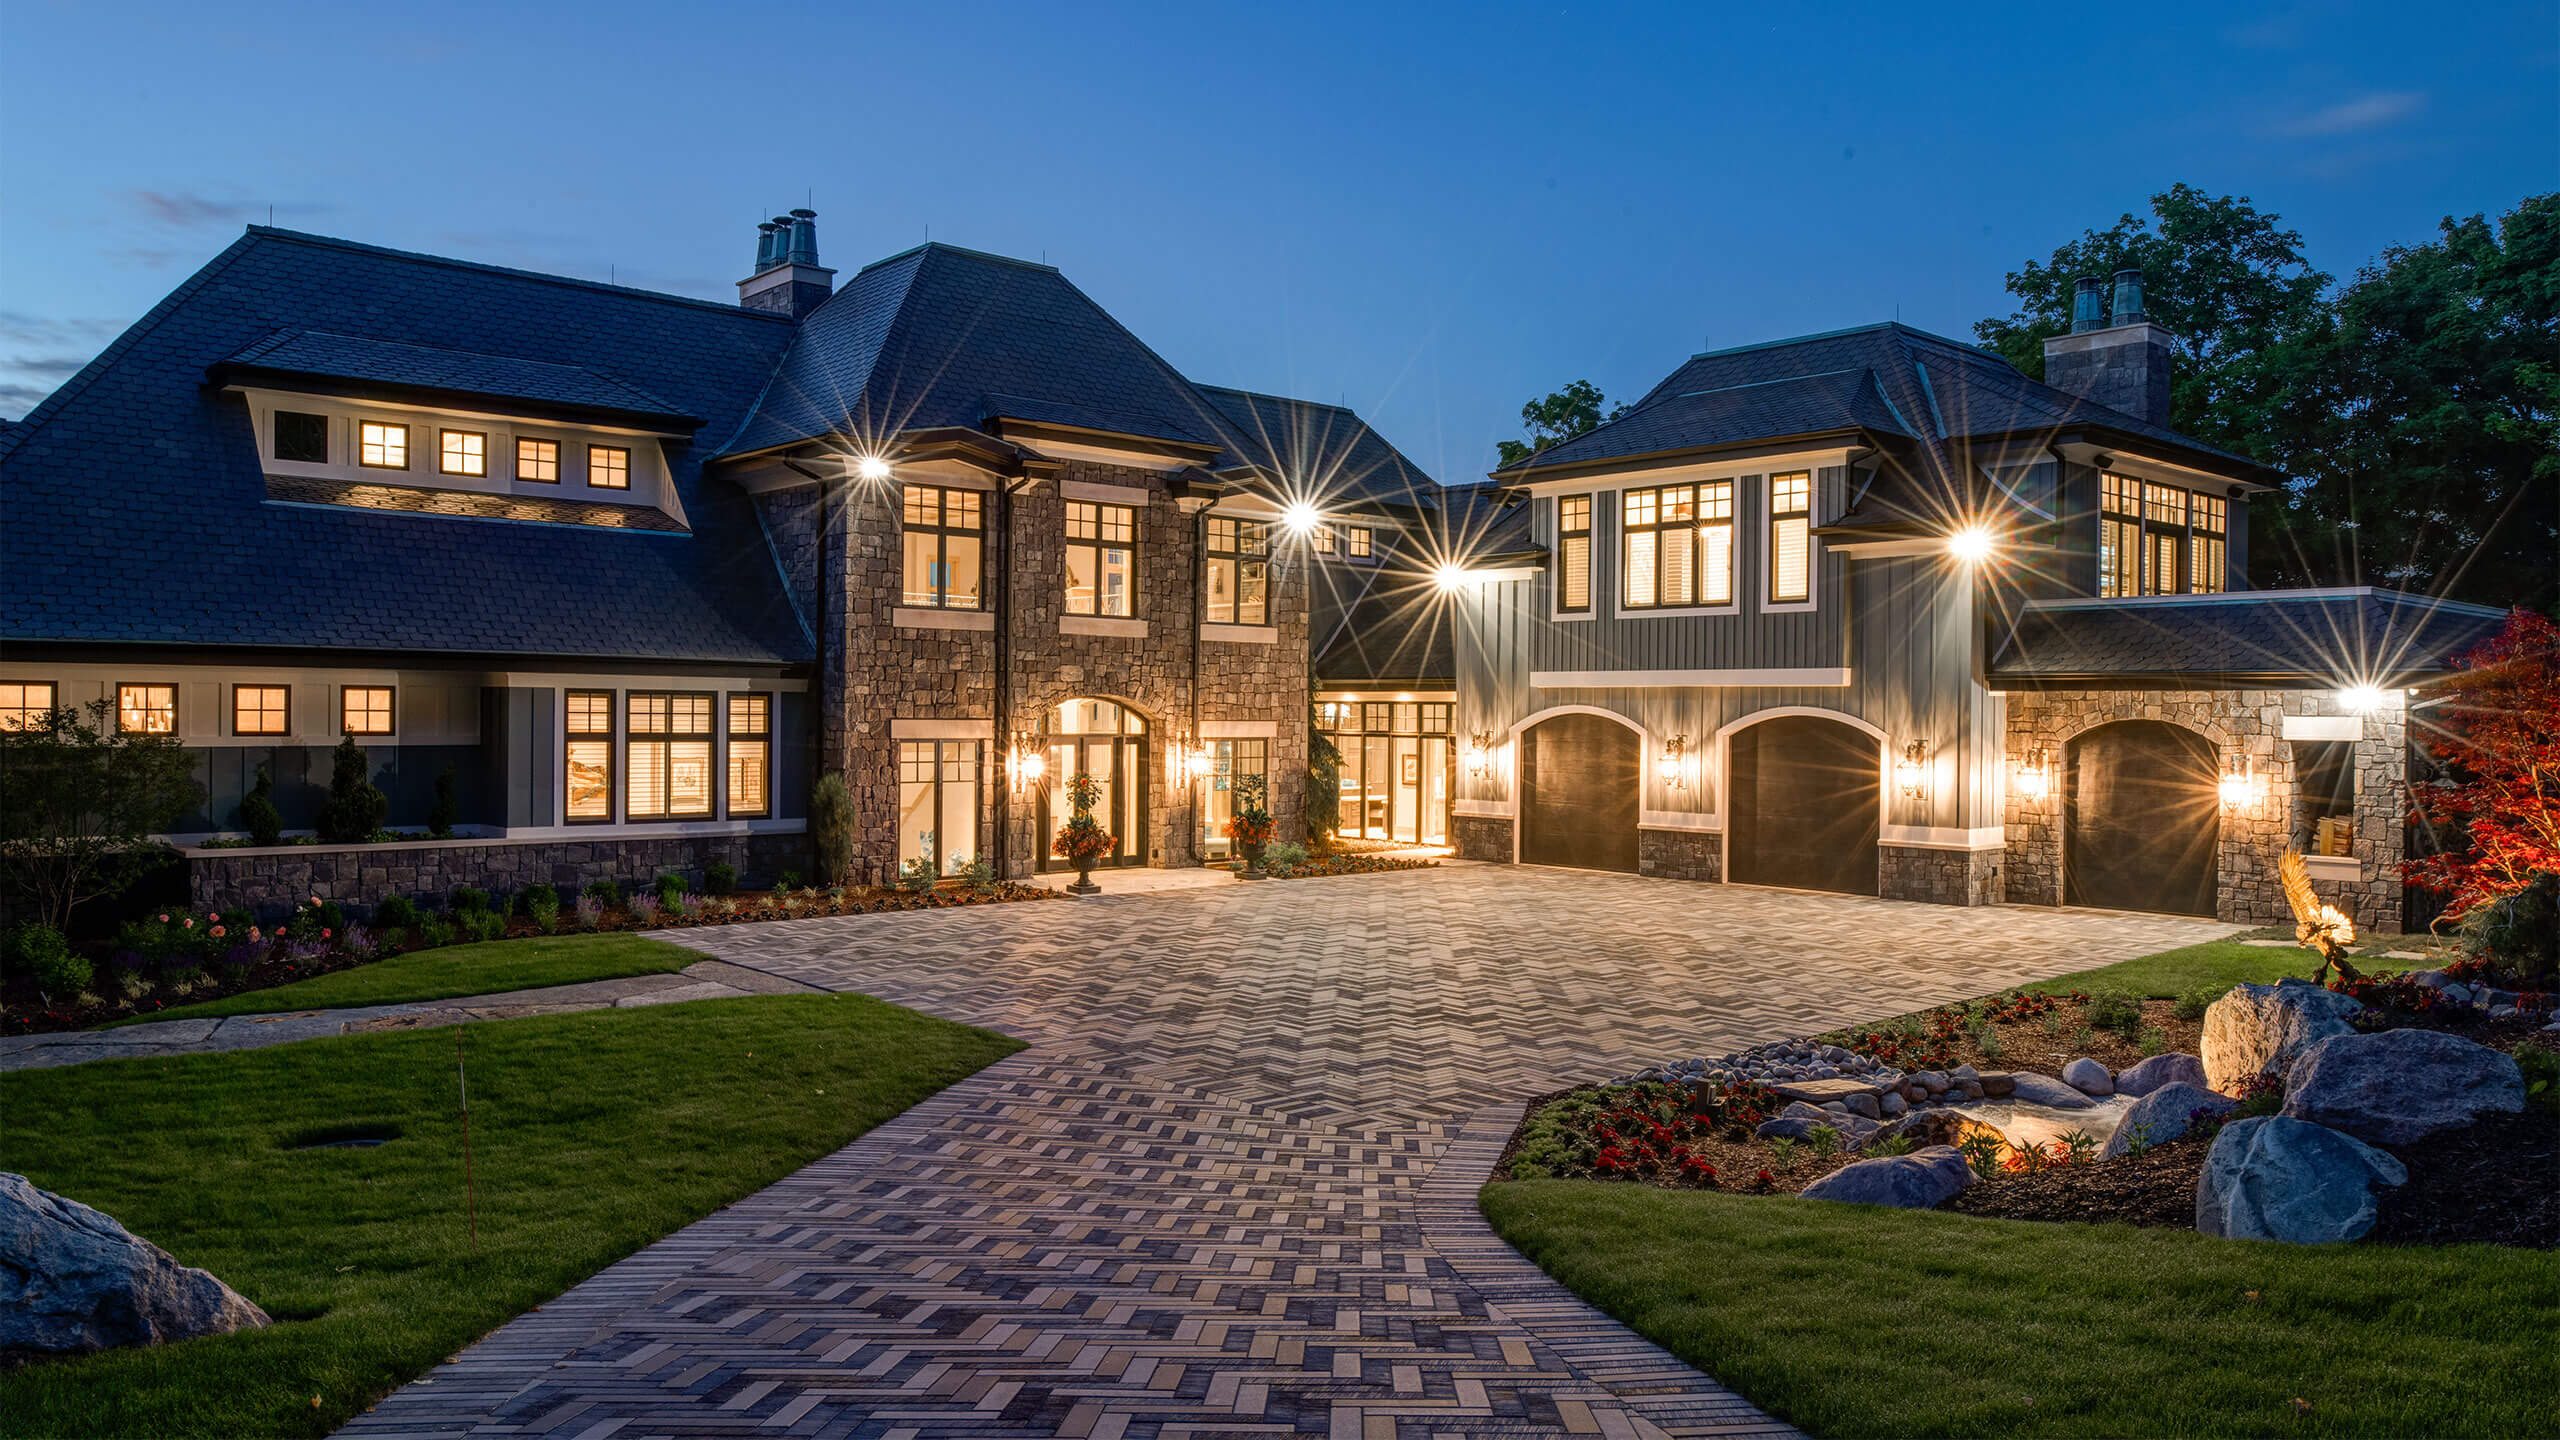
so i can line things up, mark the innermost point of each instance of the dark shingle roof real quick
(2333, 638)
(506, 378)
(1326, 448)
(137, 507)
(1397, 628)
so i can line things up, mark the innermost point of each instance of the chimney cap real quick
(804, 214)
(2088, 306)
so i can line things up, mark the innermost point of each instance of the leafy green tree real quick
(81, 803)
(1550, 420)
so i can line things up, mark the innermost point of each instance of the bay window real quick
(1791, 537)
(670, 756)
(587, 767)
(750, 755)
(1102, 559)
(944, 547)
(1239, 578)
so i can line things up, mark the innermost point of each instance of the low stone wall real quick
(273, 880)
(1482, 837)
(1680, 854)
(1940, 877)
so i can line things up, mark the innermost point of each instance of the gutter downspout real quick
(1199, 610)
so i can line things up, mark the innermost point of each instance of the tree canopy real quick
(1552, 419)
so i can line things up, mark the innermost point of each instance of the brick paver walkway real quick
(1231, 1187)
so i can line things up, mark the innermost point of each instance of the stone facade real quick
(1481, 837)
(876, 671)
(1940, 877)
(1680, 854)
(2254, 835)
(272, 881)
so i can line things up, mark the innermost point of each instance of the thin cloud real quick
(17, 400)
(56, 368)
(2365, 112)
(17, 327)
(184, 207)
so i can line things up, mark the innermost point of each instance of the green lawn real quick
(2221, 963)
(592, 1134)
(1853, 1321)
(450, 970)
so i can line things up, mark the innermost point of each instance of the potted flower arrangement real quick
(1251, 825)
(1082, 839)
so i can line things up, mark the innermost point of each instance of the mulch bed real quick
(2156, 1188)
(2496, 1182)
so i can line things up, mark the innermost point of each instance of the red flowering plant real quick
(1252, 823)
(2497, 810)
(1082, 839)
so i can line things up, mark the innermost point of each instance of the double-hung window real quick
(938, 804)
(1355, 542)
(462, 452)
(1573, 552)
(944, 547)
(27, 705)
(750, 755)
(670, 756)
(147, 709)
(1239, 589)
(1324, 540)
(259, 709)
(1102, 559)
(2164, 533)
(1678, 546)
(1791, 537)
(365, 709)
(588, 766)
(382, 446)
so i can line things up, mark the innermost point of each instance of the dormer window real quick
(608, 467)
(538, 461)
(302, 439)
(382, 446)
(2159, 539)
(463, 452)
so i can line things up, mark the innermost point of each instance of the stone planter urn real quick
(1084, 878)
(1252, 851)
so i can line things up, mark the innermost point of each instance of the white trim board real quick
(922, 619)
(924, 729)
(2324, 727)
(1100, 494)
(1941, 837)
(1485, 809)
(1682, 679)
(1241, 634)
(1685, 820)
(1119, 625)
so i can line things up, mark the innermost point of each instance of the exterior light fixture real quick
(2238, 785)
(2035, 775)
(1300, 517)
(871, 467)
(1672, 768)
(2363, 699)
(1024, 765)
(1972, 545)
(1911, 772)
(1480, 754)
(1448, 577)
(1196, 764)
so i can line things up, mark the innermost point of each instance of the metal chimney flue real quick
(788, 279)
(804, 238)
(2088, 310)
(2126, 309)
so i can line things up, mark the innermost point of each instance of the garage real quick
(1804, 809)
(1580, 787)
(2141, 819)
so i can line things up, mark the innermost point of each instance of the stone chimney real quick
(788, 279)
(2120, 360)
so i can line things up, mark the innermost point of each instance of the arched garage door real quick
(1804, 809)
(2141, 819)
(1580, 788)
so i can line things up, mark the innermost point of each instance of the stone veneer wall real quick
(2255, 837)
(1481, 837)
(1940, 877)
(275, 879)
(1680, 854)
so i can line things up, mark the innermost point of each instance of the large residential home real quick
(633, 569)
(1871, 611)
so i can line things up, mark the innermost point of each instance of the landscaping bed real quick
(1335, 864)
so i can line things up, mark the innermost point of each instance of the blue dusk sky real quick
(1429, 212)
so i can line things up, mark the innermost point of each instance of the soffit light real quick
(1450, 577)
(2362, 699)
(1971, 545)
(1300, 517)
(871, 467)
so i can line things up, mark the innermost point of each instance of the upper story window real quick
(27, 705)
(1102, 559)
(608, 467)
(2206, 556)
(462, 452)
(670, 759)
(365, 710)
(1678, 545)
(1325, 540)
(588, 767)
(750, 755)
(538, 461)
(1239, 589)
(381, 445)
(259, 709)
(303, 439)
(1791, 537)
(1355, 542)
(2159, 539)
(1573, 552)
(945, 547)
(147, 709)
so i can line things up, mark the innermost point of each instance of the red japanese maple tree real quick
(2498, 737)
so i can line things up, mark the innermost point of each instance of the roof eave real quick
(343, 387)
(1531, 473)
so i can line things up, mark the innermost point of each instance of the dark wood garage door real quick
(1579, 789)
(1804, 805)
(2141, 819)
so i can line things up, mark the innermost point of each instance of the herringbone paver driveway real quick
(1231, 1187)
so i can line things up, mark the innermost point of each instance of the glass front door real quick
(1109, 743)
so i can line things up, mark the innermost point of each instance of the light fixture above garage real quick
(1673, 766)
(2035, 775)
(1972, 544)
(1911, 772)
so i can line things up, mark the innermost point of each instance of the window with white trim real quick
(750, 755)
(1791, 537)
(462, 452)
(938, 804)
(1239, 588)
(669, 756)
(1102, 559)
(587, 757)
(1573, 552)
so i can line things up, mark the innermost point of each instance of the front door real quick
(1109, 743)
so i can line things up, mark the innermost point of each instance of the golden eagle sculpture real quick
(2315, 923)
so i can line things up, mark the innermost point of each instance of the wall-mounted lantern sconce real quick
(1672, 768)
(871, 467)
(1024, 764)
(1480, 754)
(1911, 772)
(2035, 776)
(1196, 760)
(2239, 784)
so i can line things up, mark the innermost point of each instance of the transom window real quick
(945, 547)
(538, 461)
(147, 709)
(382, 446)
(1239, 589)
(608, 467)
(1102, 559)
(938, 804)
(1679, 545)
(258, 709)
(27, 705)
(750, 755)
(589, 758)
(1791, 537)
(462, 452)
(302, 438)
(1573, 552)
(670, 756)
(365, 710)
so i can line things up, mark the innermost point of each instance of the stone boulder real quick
(2145, 1076)
(2398, 1086)
(2270, 1178)
(2035, 1089)
(2260, 1029)
(2162, 1116)
(73, 1280)
(1927, 1127)
(2088, 1077)
(1915, 1181)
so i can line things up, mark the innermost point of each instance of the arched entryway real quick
(1108, 741)
(2141, 819)
(1802, 805)
(1581, 787)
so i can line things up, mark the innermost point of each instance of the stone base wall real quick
(272, 881)
(1940, 877)
(1680, 854)
(1481, 837)
(2254, 835)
